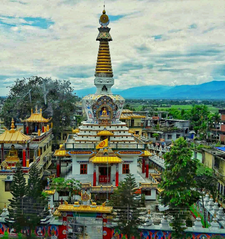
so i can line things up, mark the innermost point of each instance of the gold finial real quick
(5, 205)
(36, 109)
(149, 211)
(48, 206)
(12, 124)
(32, 111)
(41, 111)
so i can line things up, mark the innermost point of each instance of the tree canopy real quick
(55, 97)
(28, 206)
(179, 184)
(125, 201)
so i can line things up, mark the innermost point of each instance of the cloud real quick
(154, 41)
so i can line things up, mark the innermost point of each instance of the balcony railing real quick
(85, 146)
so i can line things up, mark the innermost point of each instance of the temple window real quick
(148, 193)
(169, 136)
(126, 169)
(83, 169)
(7, 186)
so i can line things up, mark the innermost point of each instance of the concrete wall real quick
(209, 160)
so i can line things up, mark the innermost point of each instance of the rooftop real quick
(36, 117)
(14, 136)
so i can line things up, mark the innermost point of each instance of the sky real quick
(155, 42)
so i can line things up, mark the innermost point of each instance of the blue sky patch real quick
(38, 22)
(157, 37)
(114, 18)
(193, 26)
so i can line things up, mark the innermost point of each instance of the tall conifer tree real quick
(36, 203)
(125, 201)
(18, 188)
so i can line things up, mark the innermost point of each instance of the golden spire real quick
(12, 124)
(103, 66)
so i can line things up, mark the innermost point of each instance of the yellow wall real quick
(47, 152)
(209, 160)
(5, 196)
(222, 167)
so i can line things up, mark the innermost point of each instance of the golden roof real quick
(105, 133)
(105, 156)
(75, 131)
(131, 116)
(115, 159)
(131, 131)
(36, 117)
(84, 208)
(146, 153)
(127, 111)
(14, 136)
(61, 153)
(50, 192)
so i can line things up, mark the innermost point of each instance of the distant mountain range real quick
(210, 90)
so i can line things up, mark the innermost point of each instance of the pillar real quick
(143, 165)
(147, 169)
(43, 129)
(27, 129)
(64, 226)
(27, 163)
(28, 150)
(94, 176)
(58, 168)
(24, 158)
(117, 176)
(2, 152)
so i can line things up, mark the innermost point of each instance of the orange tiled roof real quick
(14, 136)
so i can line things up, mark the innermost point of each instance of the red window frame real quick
(83, 168)
(126, 168)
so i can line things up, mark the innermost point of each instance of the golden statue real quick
(104, 112)
(13, 152)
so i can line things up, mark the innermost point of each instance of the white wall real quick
(152, 196)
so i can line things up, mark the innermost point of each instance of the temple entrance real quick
(103, 174)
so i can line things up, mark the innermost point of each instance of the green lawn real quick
(188, 107)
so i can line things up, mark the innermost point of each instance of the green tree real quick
(71, 185)
(55, 97)
(199, 118)
(16, 218)
(125, 202)
(36, 204)
(179, 184)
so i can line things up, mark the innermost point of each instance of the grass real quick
(188, 107)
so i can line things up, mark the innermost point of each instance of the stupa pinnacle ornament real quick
(103, 107)
(103, 72)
